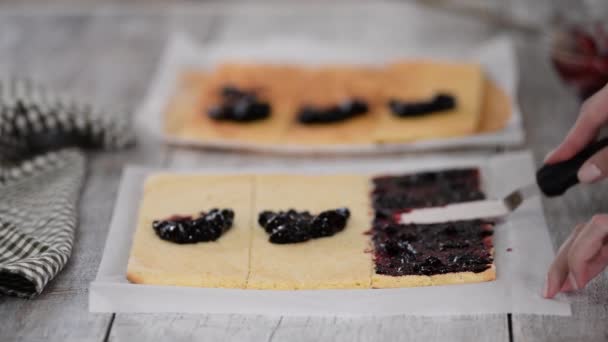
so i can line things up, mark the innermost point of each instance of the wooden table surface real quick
(111, 53)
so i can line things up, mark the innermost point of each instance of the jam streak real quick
(439, 103)
(311, 115)
(239, 106)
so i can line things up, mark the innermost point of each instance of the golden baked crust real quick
(482, 106)
(496, 108)
(183, 105)
(338, 261)
(221, 263)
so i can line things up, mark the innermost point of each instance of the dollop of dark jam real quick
(427, 249)
(400, 193)
(293, 226)
(240, 106)
(311, 115)
(439, 103)
(208, 226)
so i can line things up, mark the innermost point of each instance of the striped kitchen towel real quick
(42, 169)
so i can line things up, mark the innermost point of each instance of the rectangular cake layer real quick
(221, 263)
(480, 105)
(332, 86)
(338, 261)
(421, 81)
(403, 255)
(433, 254)
(271, 83)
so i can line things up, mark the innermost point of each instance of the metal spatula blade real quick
(553, 180)
(471, 210)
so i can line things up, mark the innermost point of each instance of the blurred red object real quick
(580, 56)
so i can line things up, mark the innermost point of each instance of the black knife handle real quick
(555, 179)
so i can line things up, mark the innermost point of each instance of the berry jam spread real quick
(185, 229)
(310, 115)
(413, 249)
(439, 103)
(293, 226)
(402, 193)
(240, 106)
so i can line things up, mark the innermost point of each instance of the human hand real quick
(581, 257)
(584, 254)
(593, 115)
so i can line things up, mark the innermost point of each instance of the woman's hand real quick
(581, 257)
(593, 115)
(584, 254)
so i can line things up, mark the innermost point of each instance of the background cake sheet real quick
(523, 252)
(497, 57)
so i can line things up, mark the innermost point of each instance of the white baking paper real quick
(517, 289)
(496, 56)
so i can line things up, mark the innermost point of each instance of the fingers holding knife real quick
(593, 115)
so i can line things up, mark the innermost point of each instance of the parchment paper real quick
(496, 56)
(517, 289)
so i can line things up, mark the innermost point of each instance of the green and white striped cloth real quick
(42, 169)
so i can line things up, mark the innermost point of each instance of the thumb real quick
(594, 169)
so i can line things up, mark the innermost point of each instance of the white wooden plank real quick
(259, 328)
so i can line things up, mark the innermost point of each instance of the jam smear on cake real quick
(427, 249)
(240, 106)
(401, 193)
(439, 103)
(311, 115)
(209, 226)
(293, 226)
